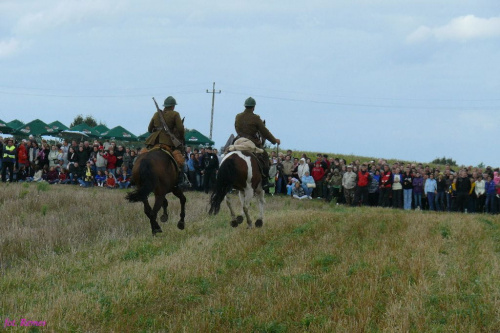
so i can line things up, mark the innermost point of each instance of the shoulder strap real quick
(175, 141)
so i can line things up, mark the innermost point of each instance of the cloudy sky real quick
(411, 80)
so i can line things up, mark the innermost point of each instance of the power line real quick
(89, 96)
(314, 101)
(372, 105)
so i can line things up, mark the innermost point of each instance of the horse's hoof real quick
(239, 219)
(234, 223)
(164, 218)
(259, 223)
(156, 231)
(180, 225)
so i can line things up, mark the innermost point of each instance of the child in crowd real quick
(22, 174)
(290, 185)
(298, 192)
(88, 176)
(100, 179)
(123, 179)
(38, 176)
(52, 175)
(64, 176)
(110, 181)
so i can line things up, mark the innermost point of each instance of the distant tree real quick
(89, 120)
(444, 161)
(481, 165)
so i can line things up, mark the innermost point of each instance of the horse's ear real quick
(183, 120)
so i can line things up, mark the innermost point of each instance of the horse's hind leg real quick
(246, 198)
(235, 221)
(179, 194)
(260, 220)
(164, 217)
(155, 227)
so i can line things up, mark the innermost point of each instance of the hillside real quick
(85, 260)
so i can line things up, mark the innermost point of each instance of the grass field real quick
(85, 260)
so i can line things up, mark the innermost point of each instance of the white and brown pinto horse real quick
(239, 171)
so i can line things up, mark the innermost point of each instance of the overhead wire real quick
(267, 96)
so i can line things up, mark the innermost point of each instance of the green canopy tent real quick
(119, 133)
(194, 138)
(143, 137)
(35, 128)
(4, 128)
(58, 126)
(15, 123)
(84, 128)
(101, 128)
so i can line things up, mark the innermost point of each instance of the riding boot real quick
(264, 168)
(181, 182)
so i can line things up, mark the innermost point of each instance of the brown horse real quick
(239, 171)
(155, 171)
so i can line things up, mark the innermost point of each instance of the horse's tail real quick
(145, 184)
(225, 179)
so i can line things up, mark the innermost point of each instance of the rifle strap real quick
(165, 127)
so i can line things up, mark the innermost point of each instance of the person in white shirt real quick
(480, 190)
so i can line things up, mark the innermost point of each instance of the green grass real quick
(85, 260)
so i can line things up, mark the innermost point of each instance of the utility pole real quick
(213, 92)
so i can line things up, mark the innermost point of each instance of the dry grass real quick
(85, 260)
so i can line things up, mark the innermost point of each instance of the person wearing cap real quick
(349, 185)
(159, 136)
(249, 125)
(8, 160)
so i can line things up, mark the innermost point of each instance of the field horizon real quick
(84, 260)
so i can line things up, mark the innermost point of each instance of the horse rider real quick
(160, 137)
(249, 125)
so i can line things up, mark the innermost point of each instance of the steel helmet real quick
(249, 102)
(169, 101)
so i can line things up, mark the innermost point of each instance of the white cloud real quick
(63, 13)
(9, 47)
(462, 28)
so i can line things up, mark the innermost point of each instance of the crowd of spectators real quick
(377, 183)
(102, 164)
(374, 183)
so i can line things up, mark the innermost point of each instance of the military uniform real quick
(248, 124)
(158, 134)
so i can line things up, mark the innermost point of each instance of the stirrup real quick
(183, 182)
(266, 184)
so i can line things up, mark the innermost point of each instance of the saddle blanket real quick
(245, 145)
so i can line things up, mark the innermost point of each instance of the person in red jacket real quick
(385, 185)
(363, 179)
(22, 155)
(318, 173)
(111, 158)
(110, 181)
